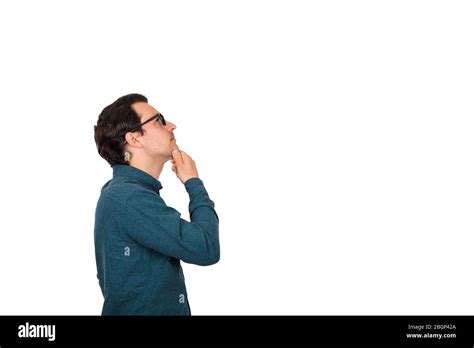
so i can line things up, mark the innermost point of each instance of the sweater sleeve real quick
(152, 223)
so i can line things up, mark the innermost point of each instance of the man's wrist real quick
(188, 180)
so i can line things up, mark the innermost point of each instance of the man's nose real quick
(171, 126)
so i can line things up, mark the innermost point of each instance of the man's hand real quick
(183, 165)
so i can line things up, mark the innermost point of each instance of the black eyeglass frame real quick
(158, 116)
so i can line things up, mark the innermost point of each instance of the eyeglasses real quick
(158, 116)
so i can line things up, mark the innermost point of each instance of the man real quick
(139, 240)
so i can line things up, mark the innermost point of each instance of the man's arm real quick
(159, 227)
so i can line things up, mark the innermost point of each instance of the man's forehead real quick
(144, 110)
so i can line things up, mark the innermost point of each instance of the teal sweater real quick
(139, 242)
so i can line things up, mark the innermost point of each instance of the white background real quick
(335, 138)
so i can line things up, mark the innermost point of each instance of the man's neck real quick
(153, 168)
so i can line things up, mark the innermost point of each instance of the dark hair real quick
(113, 123)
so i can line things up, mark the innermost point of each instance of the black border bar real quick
(287, 330)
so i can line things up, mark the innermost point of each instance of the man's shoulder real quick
(120, 190)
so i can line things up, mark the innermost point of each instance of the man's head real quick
(119, 130)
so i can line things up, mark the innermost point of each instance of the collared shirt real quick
(139, 242)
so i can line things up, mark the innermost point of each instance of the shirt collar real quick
(138, 175)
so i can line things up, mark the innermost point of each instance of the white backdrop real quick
(335, 138)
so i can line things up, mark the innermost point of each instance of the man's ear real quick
(132, 140)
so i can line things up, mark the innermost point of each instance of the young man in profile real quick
(139, 240)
